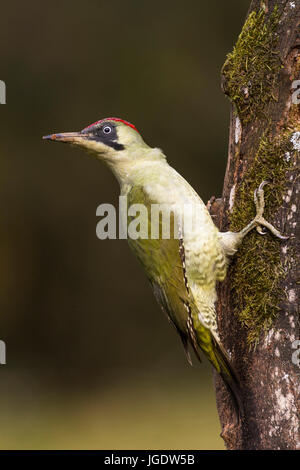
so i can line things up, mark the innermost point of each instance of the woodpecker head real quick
(115, 141)
(109, 139)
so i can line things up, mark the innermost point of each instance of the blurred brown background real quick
(91, 360)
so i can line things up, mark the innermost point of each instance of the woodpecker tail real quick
(204, 339)
(229, 377)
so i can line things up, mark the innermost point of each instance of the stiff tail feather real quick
(229, 377)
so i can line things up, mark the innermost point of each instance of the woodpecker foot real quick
(261, 224)
(230, 241)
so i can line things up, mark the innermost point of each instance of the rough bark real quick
(260, 124)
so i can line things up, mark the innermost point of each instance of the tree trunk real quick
(258, 312)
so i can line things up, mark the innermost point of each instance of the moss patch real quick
(251, 70)
(258, 268)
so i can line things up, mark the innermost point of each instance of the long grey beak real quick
(70, 137)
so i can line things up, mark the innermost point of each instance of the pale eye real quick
(106, 130)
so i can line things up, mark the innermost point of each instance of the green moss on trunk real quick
(250, 72)
(258, 268)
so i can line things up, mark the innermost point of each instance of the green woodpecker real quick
(182, 270)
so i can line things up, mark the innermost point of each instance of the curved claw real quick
(261, 230)
(262, 185)
(260, 190)
(282, 237)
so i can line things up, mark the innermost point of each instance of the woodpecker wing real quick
(163, 266)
